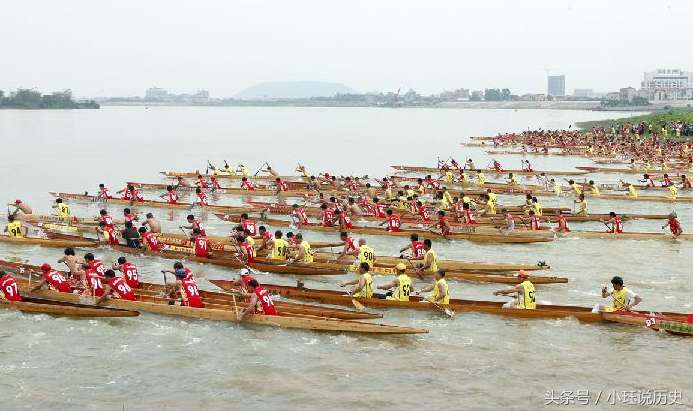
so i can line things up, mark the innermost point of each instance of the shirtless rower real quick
(509, 222)
(20, 208)
(562, 224)
(72, 262)
(623, 298)
(269, 170)
(152, 223)
(193, 223)
(349, 248)
(525, 292)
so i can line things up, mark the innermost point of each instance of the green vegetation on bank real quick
(678, 117)
(34, 100)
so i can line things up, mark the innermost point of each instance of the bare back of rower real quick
(153, 224)
(73, 263)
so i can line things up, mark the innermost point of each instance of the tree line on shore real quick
(32, 99)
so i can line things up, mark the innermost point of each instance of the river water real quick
(473, 361)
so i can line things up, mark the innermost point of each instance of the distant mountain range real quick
(293, 90)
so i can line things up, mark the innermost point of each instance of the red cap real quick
(18, 201)
(45, 267)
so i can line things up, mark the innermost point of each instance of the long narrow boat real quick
(223, 312)
(38, 220)
(623, 197)
(655, 321)
(194, 174)
(64, 309)
(48, 242)
(419, 169)
(625, 236)
(257, 192)
(628, 170)
(469, 232)
(488, 307)
(218, 243)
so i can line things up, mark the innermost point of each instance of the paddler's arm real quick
(38, 287)
(636, 300)
(405, 249)
(250, 309)
(359, 286)
(426, 289)
(518, 288)
(106, 294)
(392, 284)
(352, 282)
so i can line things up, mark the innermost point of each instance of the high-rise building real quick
(556, 86)
(667, 84)
(156, 94)
(583, 92)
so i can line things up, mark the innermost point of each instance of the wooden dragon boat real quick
(625, 197)
(418, 169)
(488, 307)
(194, 174)
(624, 236)
(30, 305)
(49, 242)
(157, 305)
(658, 322)
(628, 170)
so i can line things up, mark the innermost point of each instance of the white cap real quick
(244, 271)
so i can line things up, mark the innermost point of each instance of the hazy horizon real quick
(121, 49)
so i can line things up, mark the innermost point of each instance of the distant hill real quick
(293, 89)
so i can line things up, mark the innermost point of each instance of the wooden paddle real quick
(360, 307)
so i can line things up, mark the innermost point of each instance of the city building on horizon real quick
(667, 85)
(556, 86)
(583, 92)
(160, 95)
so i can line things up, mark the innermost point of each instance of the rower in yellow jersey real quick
(366, 254)
(63, 209)
(632, 192)
(409, 191)
(447, 196)
(593, 188)
(449, 177)
(673, 192)
(492, 196)
(440, 291)
(537, 207)
(14, 227)
(401, 284)
(490, 208)
(401, 200)
(464, 178)
(430, 259)
(582, 205)
(556, 187)
(363, 285)
(512, 180)
(624, 299)
(480, 178)
(280, 248)
(576, 187)
(526, 298)
(305, 254)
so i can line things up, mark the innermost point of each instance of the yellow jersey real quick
(529, 301)
(366, 255)
(577, 189)
(493, 197)
(538, 209)
(582, 207)
(444, 203)
(447, 196)
(63, 210)
(367, 290)
(449, 177)
(433, 259)
(673, 191)
(490, 207)
(250, 240)
(403, 290)
(14, 229)
(410, 193)
(307, 252)
(481, 179)
(595, 190)
(281, 249)
(435, 296)
(631, 191)
(557, 188)
(619, 300)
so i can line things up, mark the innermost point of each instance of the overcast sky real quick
(119, 48)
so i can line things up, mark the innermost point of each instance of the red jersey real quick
(349, 242)
(105, 193)
(127, 195)
(394, 222)
(172, 197)
(387, 184)
(137, 195)
(529, 167)
(130, 274)
(152, 242)
(300, 213)
(417, 248)
(129, 217)
(433, 183)
(198, 224)
(9, 289)
(563, 223)
(107, 219)
(215, 183)
(267, 236)
(327, 218)
(191, 297)
(250, 225)
(674, 226)
(533, 223)
(112, 235)
(380, 210)
(281, 186)
(201, 246)
(247, 185)
(56, 281)
(617, 225)
(265, 301)
(93, 280)
(121, 288)
(250, 252)
(469, 217)
(98, 267)
(423, 212)
(202, 183)
(443, 225)
(202, 197)
(345, 221)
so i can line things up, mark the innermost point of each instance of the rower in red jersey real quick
(327, 216)
(116, 287)
(201, 182)
(201, 244)
(91, 280)
(247, 249)
(259, 297)
(95, 264)
(433, 183)
(266, 238)
(187, 290)
(249, 224)
(454, 163)
(137, 195)
(497, 166)
(647, 179)
(280, 185)
(171, 195)
(393, 221)
(53, 280)
(215, 183)
(8, 288)
(534, 221)
(245, 183)
(415, 247)
(104, 217)
(378, 208)
(614, 223)
(110, 235)
(128, 215)
(674, 225)
(423, 212)
(298, 215)
(442, 224)
(149, 240)
(127, 192)
(104, 193)
(129, 271)
(562, 223)
(468, 214)
(350, 248)
(201, 198)
(343, 220)
(194, 223)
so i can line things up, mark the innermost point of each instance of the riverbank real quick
(25, 99)
(657, 120)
